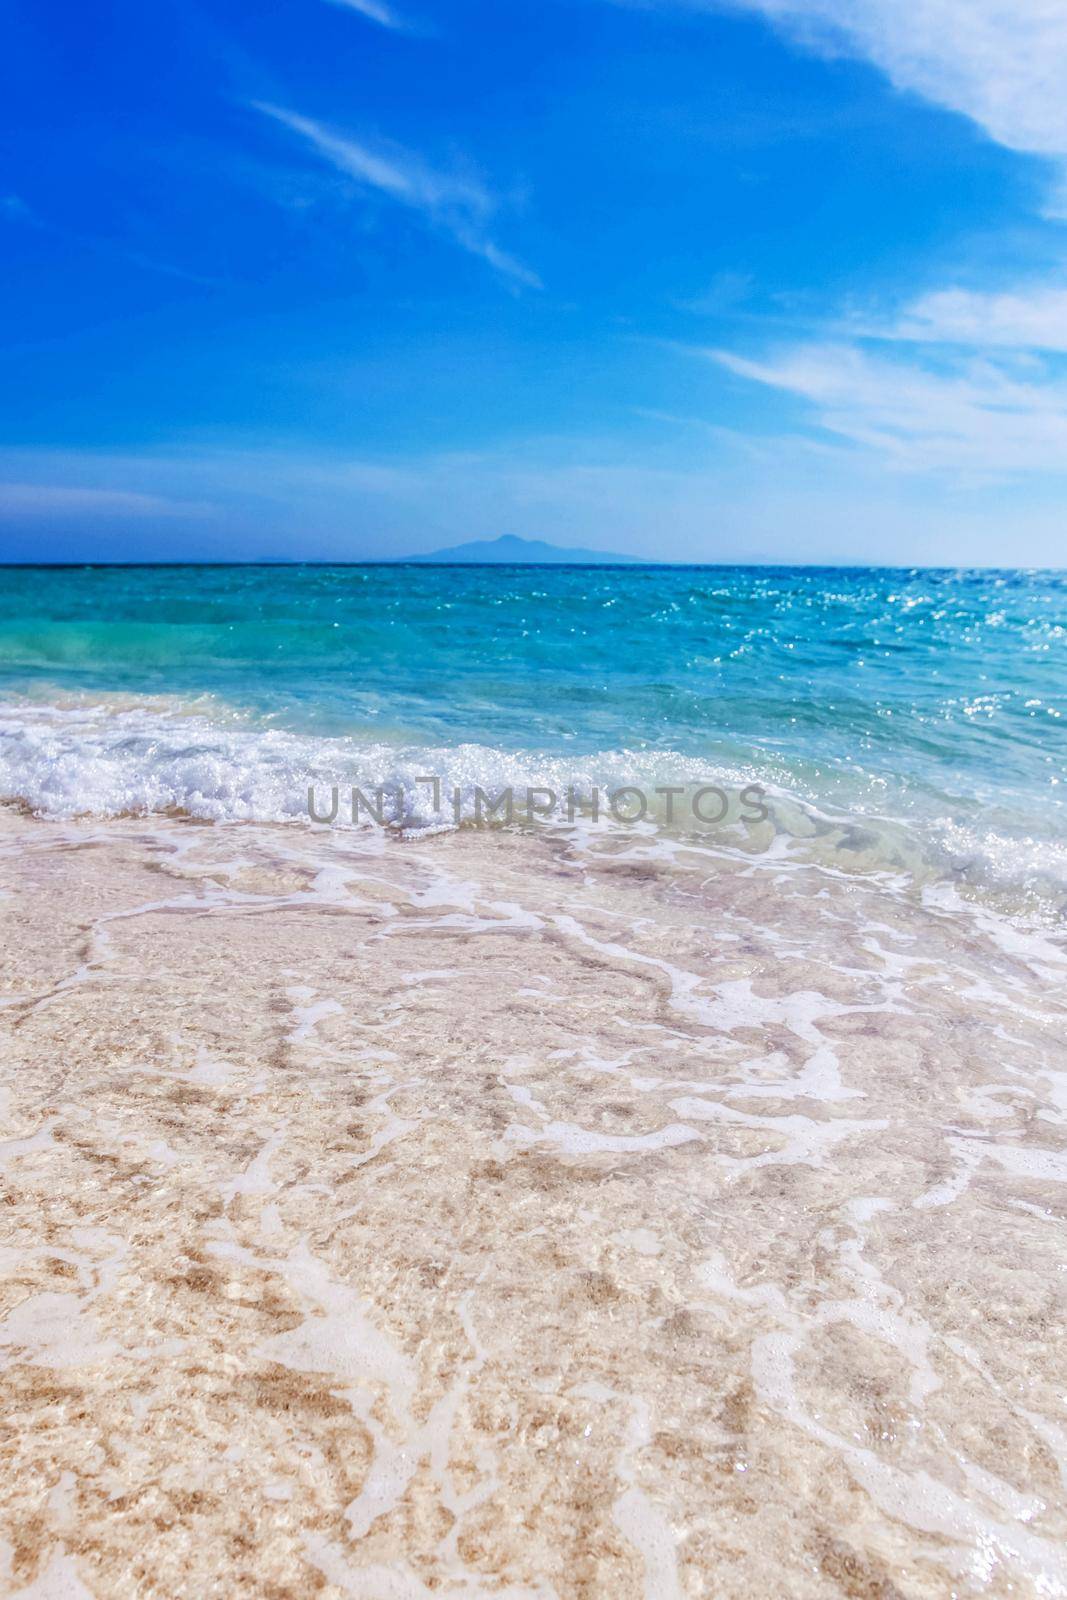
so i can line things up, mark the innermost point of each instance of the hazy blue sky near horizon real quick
(695, 280)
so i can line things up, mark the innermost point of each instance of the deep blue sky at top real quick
(637, 277)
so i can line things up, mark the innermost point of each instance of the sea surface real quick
(639, 1209)
(927, 707)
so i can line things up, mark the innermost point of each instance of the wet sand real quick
(489, 1215)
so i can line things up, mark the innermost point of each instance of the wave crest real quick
(151, 756)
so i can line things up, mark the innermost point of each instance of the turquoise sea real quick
(929, 706)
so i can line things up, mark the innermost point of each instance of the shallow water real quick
(491, 1214)
(933, 705)
(561, 1210)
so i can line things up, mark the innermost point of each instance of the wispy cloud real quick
(1002, 63)
(375, 11)
(724, 293)
(1033, 318)
(720, 505)
(15, 209)
(48, 500)
(974, 418)
(460, 206)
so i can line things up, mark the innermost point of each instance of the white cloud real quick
(461, 206)
(374, 11)
(1023, 319)
(49, 500)
(688, 504)
(974, 418)
(1003, 63)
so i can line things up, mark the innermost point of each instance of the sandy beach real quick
(497, 1215)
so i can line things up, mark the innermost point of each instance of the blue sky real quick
(776, 279)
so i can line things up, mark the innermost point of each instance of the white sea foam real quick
(150, 755)
(78, 759)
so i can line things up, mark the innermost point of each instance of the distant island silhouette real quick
(510, 550)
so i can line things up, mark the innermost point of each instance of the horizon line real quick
(615, 566)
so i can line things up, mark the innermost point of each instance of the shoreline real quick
(515, 1215)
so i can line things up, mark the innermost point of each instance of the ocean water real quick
(640, 1207)
(902, 720)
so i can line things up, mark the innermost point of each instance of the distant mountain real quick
(508, 550)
